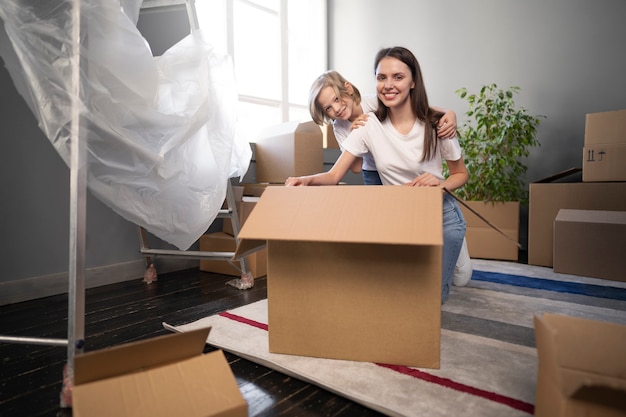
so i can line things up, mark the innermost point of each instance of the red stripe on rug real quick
(424, 376)
(244, 320)
(448, 383)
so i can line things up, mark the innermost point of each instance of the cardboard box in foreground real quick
(160, 377)
(582, 371)
(354, 272)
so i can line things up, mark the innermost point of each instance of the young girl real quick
(402, 138)
(332, 99)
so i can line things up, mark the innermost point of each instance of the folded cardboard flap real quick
(162, 376)
(144, 354)
(581, 365)
(358, 214)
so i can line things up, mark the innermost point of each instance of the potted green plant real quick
(496, 137)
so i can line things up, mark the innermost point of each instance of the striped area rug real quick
(488, 355)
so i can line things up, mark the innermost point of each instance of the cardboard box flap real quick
(364, 214)
(124, 359)
(199, 386)
(605, 127)
(575, 381)
(591, 216)
(588, 347)
(559, 175)
(247, 247)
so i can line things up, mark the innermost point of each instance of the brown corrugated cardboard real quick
(605, 162)
(590, 243)
(224, 242)
(163, 376)
(244, 208)
(330, 141)
(354, 272)
(605, 128)
(485, 242)
(546, 199)
(287, 150)
(582, 371)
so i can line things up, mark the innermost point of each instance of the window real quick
(278, 48)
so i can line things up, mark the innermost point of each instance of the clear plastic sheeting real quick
(159, 131)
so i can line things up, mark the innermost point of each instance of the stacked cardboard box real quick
(590, 243)
(547, 197)
(604, 153)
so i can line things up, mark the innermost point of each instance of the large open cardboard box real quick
(547, 198)
(590, 243)
(161, 377)
(582, 371)
(354, 272)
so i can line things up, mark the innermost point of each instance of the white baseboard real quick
(46, 285)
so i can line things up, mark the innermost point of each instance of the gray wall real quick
(566, 55)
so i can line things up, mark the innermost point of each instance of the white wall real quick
(568, 57)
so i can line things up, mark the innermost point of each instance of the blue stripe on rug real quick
(591, 290)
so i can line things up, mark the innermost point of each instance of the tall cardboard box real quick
(582, 371)
(361, 284)
(590, 243)
(485, 242)
(287, 150)
(161, 377)
(604, 153)
(547, 198)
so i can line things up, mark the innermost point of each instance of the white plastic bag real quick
(160, 132)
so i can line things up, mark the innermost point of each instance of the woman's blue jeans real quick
(453, 233)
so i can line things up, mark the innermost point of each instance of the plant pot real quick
(482, 240)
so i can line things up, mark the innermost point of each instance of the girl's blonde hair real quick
(338, 83)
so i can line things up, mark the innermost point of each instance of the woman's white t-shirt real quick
(398, 157)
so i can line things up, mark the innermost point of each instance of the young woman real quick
(332, 99)
(401, 136)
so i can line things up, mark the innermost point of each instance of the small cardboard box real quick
(605, 128)
(287, 150)
(361, 284)
(606, 162)
(590, 243)
(485, 242)
(224, 242)
(160, 377)
(582, 371)
(547, 198)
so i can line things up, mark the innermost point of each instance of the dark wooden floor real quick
(30, 376)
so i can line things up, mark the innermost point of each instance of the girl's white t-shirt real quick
(341, 128)
(398, 157)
